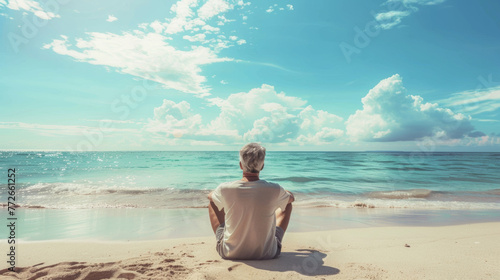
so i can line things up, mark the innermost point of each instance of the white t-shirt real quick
(250, 208)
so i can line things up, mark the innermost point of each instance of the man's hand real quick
(292, 198)
(209, 196)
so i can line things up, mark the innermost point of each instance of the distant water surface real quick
(87, 180)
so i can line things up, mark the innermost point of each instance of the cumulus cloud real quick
(318, 126)
(262, 115)
(157, 26)
(277, 126)
(195, 38)
(213, 7)
(240, 111)
(210, 29)
(174, 119)
(242, 4)
(223, 20)
(29, 6)
(389, 114)
(183, 13)
(145, 55)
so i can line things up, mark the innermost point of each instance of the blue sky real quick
(213, 75)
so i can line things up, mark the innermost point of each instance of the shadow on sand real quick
(304, 261)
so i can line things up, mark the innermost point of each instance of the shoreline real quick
(142, 224)
(469, 251)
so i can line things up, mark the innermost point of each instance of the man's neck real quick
(248, 176)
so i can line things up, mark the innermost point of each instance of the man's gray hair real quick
(252, 157)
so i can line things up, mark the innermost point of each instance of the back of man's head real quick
(252, 157)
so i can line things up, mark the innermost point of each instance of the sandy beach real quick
(469, 251)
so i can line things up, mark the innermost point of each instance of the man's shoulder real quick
(237, 183)
(230, 184)
(269, 183)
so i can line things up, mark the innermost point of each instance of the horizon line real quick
(335, 151)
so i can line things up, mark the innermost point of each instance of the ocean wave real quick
(5, 205)
(86, 189)
(359, 204)
(402, 194)
(84, 195)
(399, 204)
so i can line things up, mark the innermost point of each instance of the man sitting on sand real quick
(244, 214)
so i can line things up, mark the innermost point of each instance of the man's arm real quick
(292, 198)
(209, 196)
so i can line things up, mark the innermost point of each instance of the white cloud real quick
(390, 19)
(389, 114)
(29, 6)
(223, 20)
(411, 3)
(398, 9)
(144, 55)
(196, 38)
(174, 120)
(4, 14)
(111, 18)
(157, 26)
(183, 14)
(279, 126)
(233, 38)
(262, 115)
(275, 7)
(318, 126)
(475, 102)
(211, 29)
(212, 8)
(145, 52)
(243, 4)
(224, 82)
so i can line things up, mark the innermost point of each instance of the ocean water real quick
(159, 180)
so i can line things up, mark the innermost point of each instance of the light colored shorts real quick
(219, 236)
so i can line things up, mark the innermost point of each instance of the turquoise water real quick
(88, 180)
(122, 224)
(158, 195)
